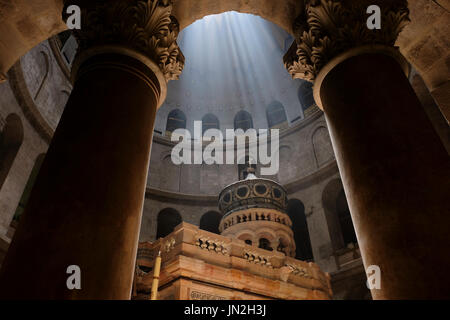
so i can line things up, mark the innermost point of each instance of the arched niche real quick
(248, 236)
(29, 187)
(345, 219)
(337, 213)
(167, 220)
(296, 212)
(11, 138)
(175, 120)
(210, 221)
(210, 121)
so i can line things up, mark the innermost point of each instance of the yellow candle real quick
(156, 272)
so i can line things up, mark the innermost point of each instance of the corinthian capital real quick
(145, 26)
(328, 28)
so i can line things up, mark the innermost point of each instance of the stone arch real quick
(345, 219)
(19, 40)
(247, 235)
(296, 212)
(167, 220)
(29, 187)
(11, 139)
(210, 221)
(266, 234)
(285, 243)
(337, 214)
(322, 147)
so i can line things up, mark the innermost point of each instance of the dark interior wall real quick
(168, 219)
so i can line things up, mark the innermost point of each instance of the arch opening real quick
(296, 212)
(167, 220)
(210, 221)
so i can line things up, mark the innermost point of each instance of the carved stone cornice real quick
(145, 26)
(328, 28)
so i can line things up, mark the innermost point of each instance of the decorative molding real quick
(328, 28)
(169, 245)
(197, 295)
(26, 102)
(145, 26)
(256, 258)
(46, 74)
(259, 193)
(206, 243)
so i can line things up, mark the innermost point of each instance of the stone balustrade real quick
(256, 214)
(189, 241)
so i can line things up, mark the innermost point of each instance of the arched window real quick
(168, 219)
(276, 115)
(210, 221)
(210, 121)
(305, 95)
(345, 219)
(243, 120)
(296, 211)
(337, 213)
(11, 138)
(265, 244)
(175, 120)
(29, 187)
(68, 45)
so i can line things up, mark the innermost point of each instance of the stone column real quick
(86, 206)
(393, 165)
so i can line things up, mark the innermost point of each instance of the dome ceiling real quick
(234, 62)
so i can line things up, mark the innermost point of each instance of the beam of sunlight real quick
(234, 62)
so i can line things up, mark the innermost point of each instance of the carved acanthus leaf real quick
(143, 25)
(327, 28)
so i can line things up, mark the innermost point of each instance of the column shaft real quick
(86, 206)
(396, 175)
